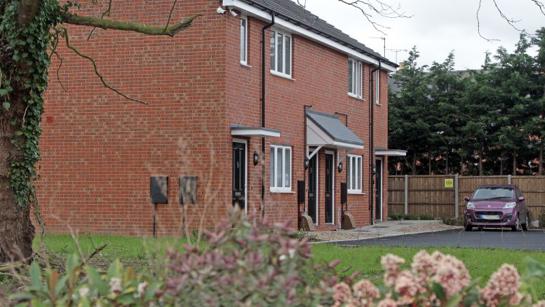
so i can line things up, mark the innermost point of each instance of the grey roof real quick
(331, 125)
(291, 11)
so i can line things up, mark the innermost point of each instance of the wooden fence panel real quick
(533, 189)
(431, 196)
(396, 195)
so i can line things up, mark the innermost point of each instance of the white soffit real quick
(255, 12)
(391, 152)
(252, 131)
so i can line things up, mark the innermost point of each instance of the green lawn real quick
(480, 262)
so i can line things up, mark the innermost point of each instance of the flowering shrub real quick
(252, 264)
(246, 265)
(238, 264)
(434, 280)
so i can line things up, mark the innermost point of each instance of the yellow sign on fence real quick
(449, 183)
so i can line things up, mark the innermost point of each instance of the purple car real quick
(496, 206)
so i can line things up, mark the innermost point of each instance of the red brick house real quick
(218, 110)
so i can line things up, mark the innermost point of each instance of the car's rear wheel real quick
(517, 225)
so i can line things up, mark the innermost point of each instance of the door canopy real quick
(326, 130)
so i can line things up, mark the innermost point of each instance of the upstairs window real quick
(280, 168)
(355, 167)
(244, 40)
(377, 86)
(355, 78)
(281, 54)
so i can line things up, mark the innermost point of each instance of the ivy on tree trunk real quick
(28, 29)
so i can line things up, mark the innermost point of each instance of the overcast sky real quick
(436, 27)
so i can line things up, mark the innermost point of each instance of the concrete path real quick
(381, 230)
(531, 240)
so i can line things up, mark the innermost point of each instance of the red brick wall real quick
(319, 78)
(99, 150)
(381, 136)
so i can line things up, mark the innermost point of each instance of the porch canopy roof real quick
(390, 152)
(237, 130)
(327, 130)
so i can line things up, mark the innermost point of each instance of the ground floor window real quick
(354, 173)
(280, 168)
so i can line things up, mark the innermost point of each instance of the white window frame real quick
(355, 79)
(274, 48)
(286, 150)
(358, 189)
(244, 40)
(377, 86)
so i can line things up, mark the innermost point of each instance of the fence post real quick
(406, 195)
(509, 178)
(456, 194)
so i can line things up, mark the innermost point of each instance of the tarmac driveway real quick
(531, 240)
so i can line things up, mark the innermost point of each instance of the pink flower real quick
(452, 274)
(391, 264)
(387, 302)
(342, 294)
(423, 267)
(365, 292)
(502, 286)
(406, 286)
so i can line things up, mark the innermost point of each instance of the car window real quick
(492, 193)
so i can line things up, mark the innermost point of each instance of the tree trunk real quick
(501, 165)
(16, 229)
(540, 171)
(481, 162)
(446, 164)
(514, 163)
(429, 163)
(414, 163)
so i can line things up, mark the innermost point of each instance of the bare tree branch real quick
(90, 59)
(170, 14)
(302, 3)
(106, 24)
(369, 8)
(479, 24)
(510, 21)
(59, 69)
(540, 5)
(104, 14)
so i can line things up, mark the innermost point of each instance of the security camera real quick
(220, 10)
(235, 14)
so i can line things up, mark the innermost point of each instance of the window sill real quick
(356, 193)
(245, 65)
(281, 191)
(281, 75)
(355, 97)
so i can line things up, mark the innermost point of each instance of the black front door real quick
(378, 191)
(239, 175)
(329, 173)
(312, 189)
